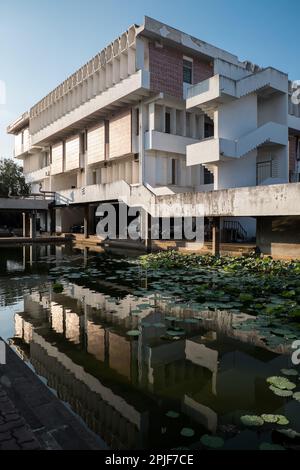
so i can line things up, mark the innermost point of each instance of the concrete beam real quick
(17, 204)
(254, 201)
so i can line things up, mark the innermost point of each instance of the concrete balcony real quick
(209, 94)
(21, 149)
(37, 175)
(161, 141)
(122, 94)
(294, 122)
(216, 150)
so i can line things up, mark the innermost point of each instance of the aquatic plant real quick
(58, 288)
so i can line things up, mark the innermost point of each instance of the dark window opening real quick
(208, 130)
(264, 171)
(106, 139)
(137, 121)
(168, 123)
(187, 71)
(173, 174)
(208, 176)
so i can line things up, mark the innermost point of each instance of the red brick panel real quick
(202, 70)
(292, 153)
(166, 70)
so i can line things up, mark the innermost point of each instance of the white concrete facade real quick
(119, 123)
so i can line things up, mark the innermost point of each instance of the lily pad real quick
(289, 372)
(269, 418)
(175, 332)
(252, 420)
(172, 414)
(133, 333)
(281, 382)
(290, 433)
(296, 396)
(281, 393)
(282, 420)
(214, 442)
(187, 432)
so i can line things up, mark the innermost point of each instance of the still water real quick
(142, 369)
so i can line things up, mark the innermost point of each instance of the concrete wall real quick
(279, 236)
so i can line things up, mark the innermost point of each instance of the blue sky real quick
(43, 41)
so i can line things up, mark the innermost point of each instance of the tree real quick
(12, 181)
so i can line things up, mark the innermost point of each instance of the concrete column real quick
(86, 221)
(142, 113)
(145, 220)
(216, 236)
(52, 215)
(32, 225)
(25, 216)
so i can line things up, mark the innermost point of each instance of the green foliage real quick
(258, 286)
(58, 288)
(281, 382)
(12, 181)
(214, 442)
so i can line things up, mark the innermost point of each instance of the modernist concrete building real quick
(159, 116)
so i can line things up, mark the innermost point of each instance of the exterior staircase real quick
(233, 231)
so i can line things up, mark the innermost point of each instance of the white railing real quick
(214, 150)
(220, 89)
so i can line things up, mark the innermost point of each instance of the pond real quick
(156, 357)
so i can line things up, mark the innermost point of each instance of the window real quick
(208, 130)
(298, 149)
(94, 177)
(168, 123)
(174, 171)
(137, 121)
(208, 176)
(106, 139)
(187, 71)
(264, 171)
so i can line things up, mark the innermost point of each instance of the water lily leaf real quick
(279, 392)
(289, 372)
(214, 442)
(246, 297)
(282, 420)
(187, 432)
(252, 420)
(269, 418)
(281, 382)
(296, 396)
(290, 433)
(172, 414)
(175, 332)
(133, 333)
(268, 446)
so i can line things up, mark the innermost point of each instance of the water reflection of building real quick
(120, 386)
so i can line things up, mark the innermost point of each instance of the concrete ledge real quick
(253, 201)
(24, 204)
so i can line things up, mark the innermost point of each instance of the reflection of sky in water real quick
(7, 328)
